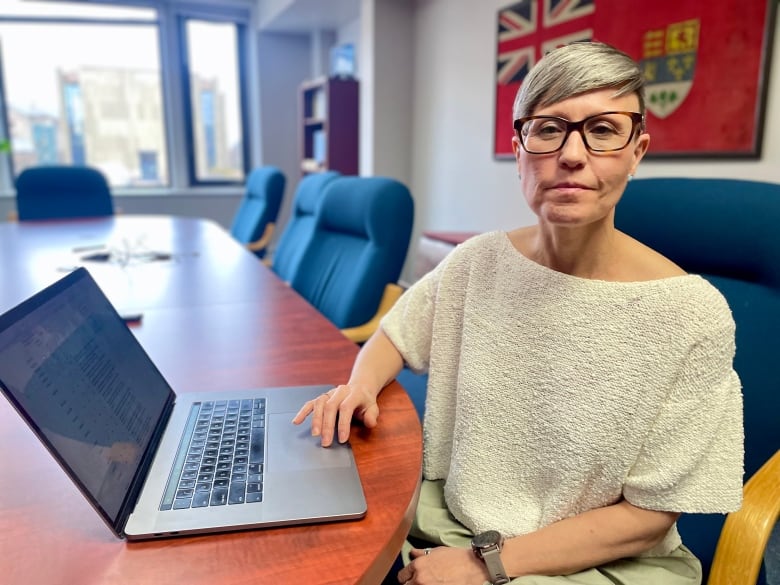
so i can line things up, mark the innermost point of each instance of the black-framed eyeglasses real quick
(604, 132)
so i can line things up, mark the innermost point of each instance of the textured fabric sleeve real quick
(692, 458)
(410, 322)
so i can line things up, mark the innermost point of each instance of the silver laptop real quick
(152, 463)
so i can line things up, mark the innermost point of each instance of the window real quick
(102, 85)
(216, 148)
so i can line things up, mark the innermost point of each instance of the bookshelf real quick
(329, 120)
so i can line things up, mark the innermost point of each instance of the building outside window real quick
(214, 86)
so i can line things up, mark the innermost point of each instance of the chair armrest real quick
(261, 243)
(361, 333)
(746, 532)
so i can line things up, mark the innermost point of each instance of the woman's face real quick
(573, 186)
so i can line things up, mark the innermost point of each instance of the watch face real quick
(486, 539)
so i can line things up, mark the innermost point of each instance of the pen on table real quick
(89, 247)
(97, 257)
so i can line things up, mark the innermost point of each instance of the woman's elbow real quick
(656, 525)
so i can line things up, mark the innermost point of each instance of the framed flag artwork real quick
(705, 63)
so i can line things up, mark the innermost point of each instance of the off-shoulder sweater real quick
(550, 395)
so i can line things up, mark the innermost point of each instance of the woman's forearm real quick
(377, 364)
(586, 540)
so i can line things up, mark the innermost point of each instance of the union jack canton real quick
(524, 37)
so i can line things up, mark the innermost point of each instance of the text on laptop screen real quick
(69, 365)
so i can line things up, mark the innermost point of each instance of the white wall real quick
(386, 94)
(219, 204)
(284, 63)
(268, 10)
(350, 33)
(457, 183)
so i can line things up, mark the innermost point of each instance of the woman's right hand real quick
(333, 411)
(377, 364)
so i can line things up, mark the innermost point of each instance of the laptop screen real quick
(76, 373)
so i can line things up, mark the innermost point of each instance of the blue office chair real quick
(726, 230)
(300, 226)
(253, 223)
(62, 192)
(349, 269)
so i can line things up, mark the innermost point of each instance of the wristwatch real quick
(487, 547)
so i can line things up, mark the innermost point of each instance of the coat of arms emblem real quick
(668, 64)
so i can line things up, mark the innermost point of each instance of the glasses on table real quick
(604, 132)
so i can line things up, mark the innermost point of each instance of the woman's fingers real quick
(332, 412)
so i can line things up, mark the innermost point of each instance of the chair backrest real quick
(260, 205)
(62, 192)
(727, 231)
(299, 228)
(359, 245)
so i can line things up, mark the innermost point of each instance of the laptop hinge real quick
(128, 505)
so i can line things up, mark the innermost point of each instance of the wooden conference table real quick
(213, 318)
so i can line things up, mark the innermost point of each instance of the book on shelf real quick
(319, 104)
(309, 165)
(318, 146)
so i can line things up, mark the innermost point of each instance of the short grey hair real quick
(576, 69)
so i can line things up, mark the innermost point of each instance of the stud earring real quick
(630, 177)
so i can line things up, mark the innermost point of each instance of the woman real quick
(581, 393)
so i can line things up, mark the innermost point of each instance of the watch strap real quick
(492, 558)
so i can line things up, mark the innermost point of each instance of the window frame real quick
(170, 22)
(188, 107)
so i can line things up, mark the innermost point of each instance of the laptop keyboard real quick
(221, 456)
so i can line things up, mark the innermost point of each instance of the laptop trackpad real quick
(292, 448)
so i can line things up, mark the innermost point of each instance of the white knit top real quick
(550, 394)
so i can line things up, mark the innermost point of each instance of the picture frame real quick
(706, 65)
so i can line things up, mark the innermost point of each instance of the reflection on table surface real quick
(139, 261)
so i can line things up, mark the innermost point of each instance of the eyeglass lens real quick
(602, 132)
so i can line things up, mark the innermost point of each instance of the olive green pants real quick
(434, 526)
